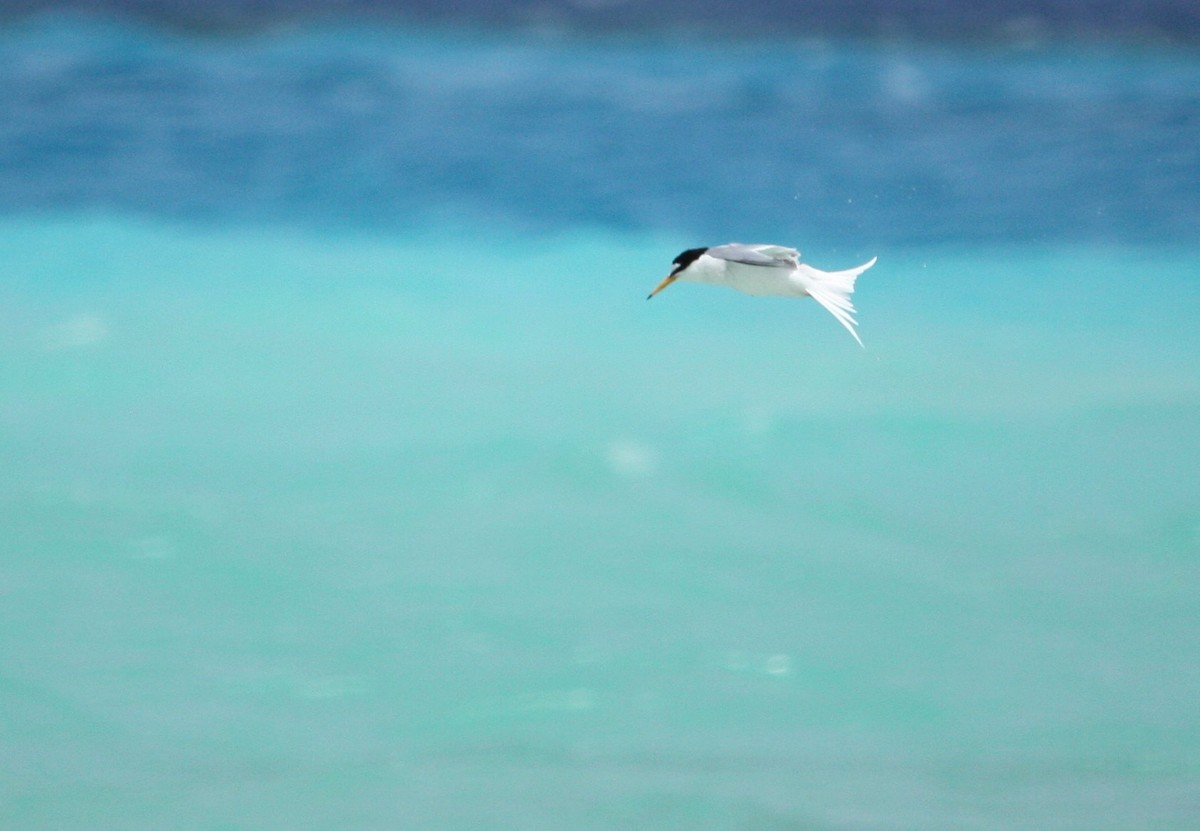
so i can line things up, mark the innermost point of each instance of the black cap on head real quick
(687, 258)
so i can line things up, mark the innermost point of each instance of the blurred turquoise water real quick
(347, 480)
(362, 530)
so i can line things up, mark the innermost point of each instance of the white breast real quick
(751, 279)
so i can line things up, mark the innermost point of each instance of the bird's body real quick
(769, 271)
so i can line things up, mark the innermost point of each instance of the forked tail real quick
(832, 289)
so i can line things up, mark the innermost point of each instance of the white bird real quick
(770, 270)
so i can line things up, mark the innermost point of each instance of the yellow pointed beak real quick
(670, 278)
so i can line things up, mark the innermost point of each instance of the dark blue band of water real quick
(1174, 20)
(709, 138)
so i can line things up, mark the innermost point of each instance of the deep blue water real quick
(1013, 21)
(842, 142)
(348, 481)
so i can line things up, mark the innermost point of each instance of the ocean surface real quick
(348, 480)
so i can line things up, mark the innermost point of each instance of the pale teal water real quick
(386, 552)
(312, 526)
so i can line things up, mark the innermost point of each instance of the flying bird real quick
(769, 270)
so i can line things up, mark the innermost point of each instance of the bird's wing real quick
(772, 256)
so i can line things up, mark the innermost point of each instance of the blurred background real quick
(348, 481)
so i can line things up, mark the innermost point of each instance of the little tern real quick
(769, 270)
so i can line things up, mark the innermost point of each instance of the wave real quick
(1159, 20)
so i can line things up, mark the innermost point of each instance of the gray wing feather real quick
(772, 256)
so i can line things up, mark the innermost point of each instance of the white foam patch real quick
(631, 458)
(777, 665)
(82, 331)
(152, 548)
(758, 421)
(904, 83)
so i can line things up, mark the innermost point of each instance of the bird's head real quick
(680, 264)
